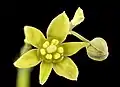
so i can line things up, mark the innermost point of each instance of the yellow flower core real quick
(52, 51)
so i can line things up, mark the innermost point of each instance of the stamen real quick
(48, 56)
(42, 51)
(54, 42)
(46, 44)
(60, 50)
(56, 55)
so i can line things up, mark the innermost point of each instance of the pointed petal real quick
(33, 36)
(27, 60)
(45, 70)
(66, 68)
(71, 48)
(78, 17)
(59, 27)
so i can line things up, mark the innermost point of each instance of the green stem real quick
(83, 39)
(23, 78)
(23, 75)
(79, 36)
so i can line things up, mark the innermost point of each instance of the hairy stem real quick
(83, 39)
(23, 75)
(79, 36)
(23, 78)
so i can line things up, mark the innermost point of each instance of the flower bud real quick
(98, 49)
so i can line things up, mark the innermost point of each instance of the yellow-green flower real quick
(50, 51)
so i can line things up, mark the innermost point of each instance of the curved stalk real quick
(79, 36)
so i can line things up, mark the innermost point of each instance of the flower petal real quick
(33, 36)
(66, 68)
(71, 48)
(59, 27)
(27, 60)
(45, 70)
(78, 17)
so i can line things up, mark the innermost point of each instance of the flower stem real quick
(23, 78)
(83, 39)
(23, 75)
(79, 36)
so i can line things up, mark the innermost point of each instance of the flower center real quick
(52, 51)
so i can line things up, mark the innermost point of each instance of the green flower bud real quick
(98, 49)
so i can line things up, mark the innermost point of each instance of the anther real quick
(46, 44)
(60, 50)
(56, 55)
(42, 51)
(54, 42)
(48, 56)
